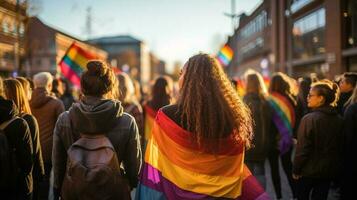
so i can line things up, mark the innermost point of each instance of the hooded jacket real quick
(46, 109)
(94, 115)
(318, 152)
(19, 137)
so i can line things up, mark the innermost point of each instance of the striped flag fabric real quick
(175, 167)
(150, 115)
(74, 63)
(283, 118)
(225, 55)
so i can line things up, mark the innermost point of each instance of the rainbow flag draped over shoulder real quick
(284, 119)
(74, 62)
(225, 55)
(175, 167)
(150, 115)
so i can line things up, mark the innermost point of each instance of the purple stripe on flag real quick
(152, 178)
(285, 141)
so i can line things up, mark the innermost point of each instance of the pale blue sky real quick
(173, 29)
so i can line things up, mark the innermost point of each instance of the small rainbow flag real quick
(74, 62)
(283, 118)
(176, 167)
(225, 55)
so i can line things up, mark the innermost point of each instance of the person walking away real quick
(196, 149)
(283, 105)
(256, 99)
(16, 152)
(15, 92)
(318, 154)
(46, 109)
(97, 133)
(161, 95)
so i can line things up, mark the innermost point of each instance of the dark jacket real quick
(135, 110)
(344, 96)
(38, 169)
(46, 109)
(19, 137)
(319, 144)
(262, 116)
(92, 116)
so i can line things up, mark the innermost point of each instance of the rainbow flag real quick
(74, 62)
(284, 119)
(225, 55)
(240, 87)
(175, 167)
(150, 115)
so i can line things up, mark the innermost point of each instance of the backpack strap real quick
(6, 123)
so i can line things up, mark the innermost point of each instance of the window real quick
(297, 4)
(254, 26)
(308, 35)
(350, 20)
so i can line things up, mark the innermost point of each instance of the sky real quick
(174, 30)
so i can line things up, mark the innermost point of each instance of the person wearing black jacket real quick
(256, 99)
(19, 137)
(318, 153)
(14, 91)
(349, 170)
(347, 84)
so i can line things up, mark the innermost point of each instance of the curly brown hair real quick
(209, 103)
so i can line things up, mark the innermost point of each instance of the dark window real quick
(350, 19)
(308, 35)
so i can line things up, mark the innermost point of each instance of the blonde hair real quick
(15, 92)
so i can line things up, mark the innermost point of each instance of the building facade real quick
(299, 37)
(46, 46)
(12, 31)
(128, 54)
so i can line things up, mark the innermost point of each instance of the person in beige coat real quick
(46, 108)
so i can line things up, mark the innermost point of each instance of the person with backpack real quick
(96, 146)
(16, 152)
(14, 91)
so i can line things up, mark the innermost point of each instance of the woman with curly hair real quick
(196, 148)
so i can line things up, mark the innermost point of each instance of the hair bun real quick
(96, 68)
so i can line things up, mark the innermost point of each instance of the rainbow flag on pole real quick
(225, 55)
(74, 62)
(176, 167)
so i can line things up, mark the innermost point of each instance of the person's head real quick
(43, 80)
(57, 87)
(26, 85)
(323, 93)
(126, 88)
(255, 84)
(304, 87)
(15, 92)
(98, 80)
(161, 93)
(348, 82)
(210, 104)
(280, 83)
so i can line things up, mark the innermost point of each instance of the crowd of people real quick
(186, 142)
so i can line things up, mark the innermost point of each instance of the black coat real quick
(262, 116)
(38, 169)
(19, 138)
(318, 152)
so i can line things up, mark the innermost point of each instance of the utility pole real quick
(233, 14)
(89, 20)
